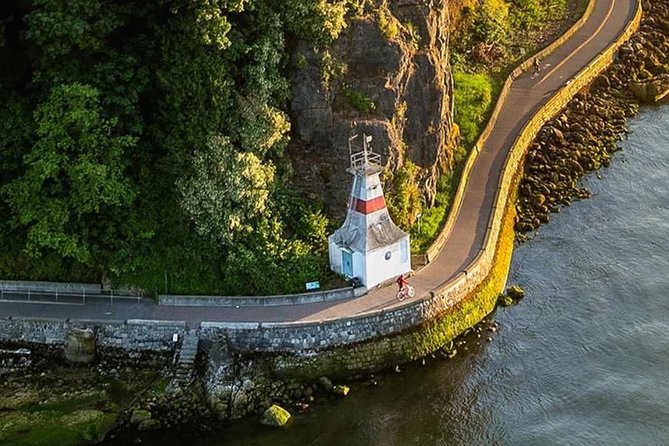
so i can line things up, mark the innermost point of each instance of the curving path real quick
(528, 94)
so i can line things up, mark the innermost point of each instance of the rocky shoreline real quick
(245, 387)
(583, 137)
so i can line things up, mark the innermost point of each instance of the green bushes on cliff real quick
(405, 204)
(432, 219)
(359, 101)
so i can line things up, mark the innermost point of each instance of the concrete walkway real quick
(527, 95)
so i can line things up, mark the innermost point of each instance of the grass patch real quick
(432, 220)
(473, 100)
(50, 427)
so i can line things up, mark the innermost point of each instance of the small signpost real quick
(313, 285)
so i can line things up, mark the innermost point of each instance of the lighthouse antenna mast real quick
(365, 158)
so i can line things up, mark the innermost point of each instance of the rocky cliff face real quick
(387, 75)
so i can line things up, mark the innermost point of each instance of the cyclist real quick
(402, 282)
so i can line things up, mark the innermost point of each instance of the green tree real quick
(73, 190)
(265, 261)
(225, 190)
(90, 42)
(405, 203)
(319, 21)
(490, 21)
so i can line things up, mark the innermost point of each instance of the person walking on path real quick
(537, 65)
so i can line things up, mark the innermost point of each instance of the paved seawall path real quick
(528, 94)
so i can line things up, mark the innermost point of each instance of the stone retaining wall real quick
(131, 335)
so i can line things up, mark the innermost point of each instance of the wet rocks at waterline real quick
(80, 346)
(275, 416)
(513, 294)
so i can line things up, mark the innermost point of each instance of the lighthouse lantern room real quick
(368, 246)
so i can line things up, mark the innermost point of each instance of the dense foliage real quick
(143, 142)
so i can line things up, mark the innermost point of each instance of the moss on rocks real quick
(67, 406)
(505, 300)
(341, 390)
(275, 416)
(515, 292)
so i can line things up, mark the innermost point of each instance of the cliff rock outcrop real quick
(387, 75)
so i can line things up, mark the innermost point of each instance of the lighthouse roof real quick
(355, 236)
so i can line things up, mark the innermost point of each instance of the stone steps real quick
(185, 364)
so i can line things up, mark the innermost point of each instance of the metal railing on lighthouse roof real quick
(365, 158)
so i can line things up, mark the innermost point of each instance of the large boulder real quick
(504, 300)
(651, 90)
(239, 404)
(80, 346)
(515, 292)
(139, 416)
(275, 416)
(149, 425)
(325, 383)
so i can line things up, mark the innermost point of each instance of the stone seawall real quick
(129, 336)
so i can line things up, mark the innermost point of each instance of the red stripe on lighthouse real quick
(367, 207)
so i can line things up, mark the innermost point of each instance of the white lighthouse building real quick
(369, 245)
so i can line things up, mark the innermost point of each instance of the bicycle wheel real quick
(411, 291)
(400, 295)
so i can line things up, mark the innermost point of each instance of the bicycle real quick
(407, 290)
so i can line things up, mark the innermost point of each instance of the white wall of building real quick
(374, 268)
(380, 269)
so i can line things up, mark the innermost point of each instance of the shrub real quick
(405, 203)
(387, 23)
(359, 101)
(431, 221)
